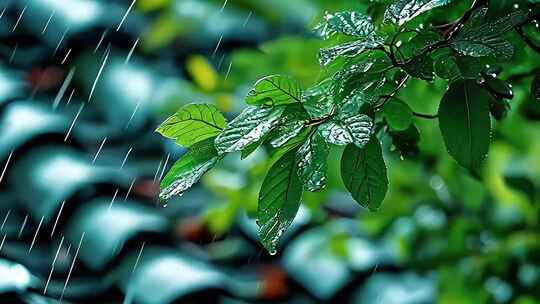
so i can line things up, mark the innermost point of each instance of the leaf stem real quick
(394, 92)
(426, 116)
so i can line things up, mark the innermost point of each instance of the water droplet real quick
(272, 252)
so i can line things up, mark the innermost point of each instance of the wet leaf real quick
(247, 128)
(407, 141)
(274, 90)
(200, 158)
(420, 67)
(249, 149)
(482, 46)
(403, 11)
(486, 39)
(279, 200)
(349, 49)
(469, 67)
(291, 124)
(367, 76)
(355, 129)
(465, 123)
(419, 43)
(193, 123)
(445, 66)
(364, 174)
(318, 101)
(287, 132)
(312, 162)
(499, 88)
(499, 108)
(347, 23)
(397, 114)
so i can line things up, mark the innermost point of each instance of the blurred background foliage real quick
(83, 85)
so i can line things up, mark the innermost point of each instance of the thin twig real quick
(427, 116)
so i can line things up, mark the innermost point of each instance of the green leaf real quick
(499, 108)
(403, 11)
(274, 90)
(247, 128)
(348, 50)
(420, 67)
(249, 149)
(312, 162)
(367, 76)
(535, 87)
(355, 129)
(407, 141)
(478, 18)
(193, 123)
(397, 114)
(279, 200)
(292, 123)
(465, 123)
(352, 104)
(318, 101)
(445, 65)
(419, 43)
(483, 46)
(347, 23)
(499, 88)
(200, 158)
(287, 132)
(364, 174)
(469, 67)
(486, 39)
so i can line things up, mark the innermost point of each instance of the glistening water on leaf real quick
(193, 123)
(465, 123)
(357, 102)
(279, 200)
(364, 174)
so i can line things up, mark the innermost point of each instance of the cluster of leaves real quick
(354, 105)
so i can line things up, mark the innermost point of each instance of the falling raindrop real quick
(35, 235)
(125, 15)
(100, 40)
(125, 158)
(19, 19)
(247, 19)
(6, 166)
(74, 121)
(66, 57)
(52, 266)
(48, 21)
(60, 41)
(71, 268)
(131, 51)
(105, 58)
(217, 46)
(57, 218)
(99, 150)
(63, 88)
